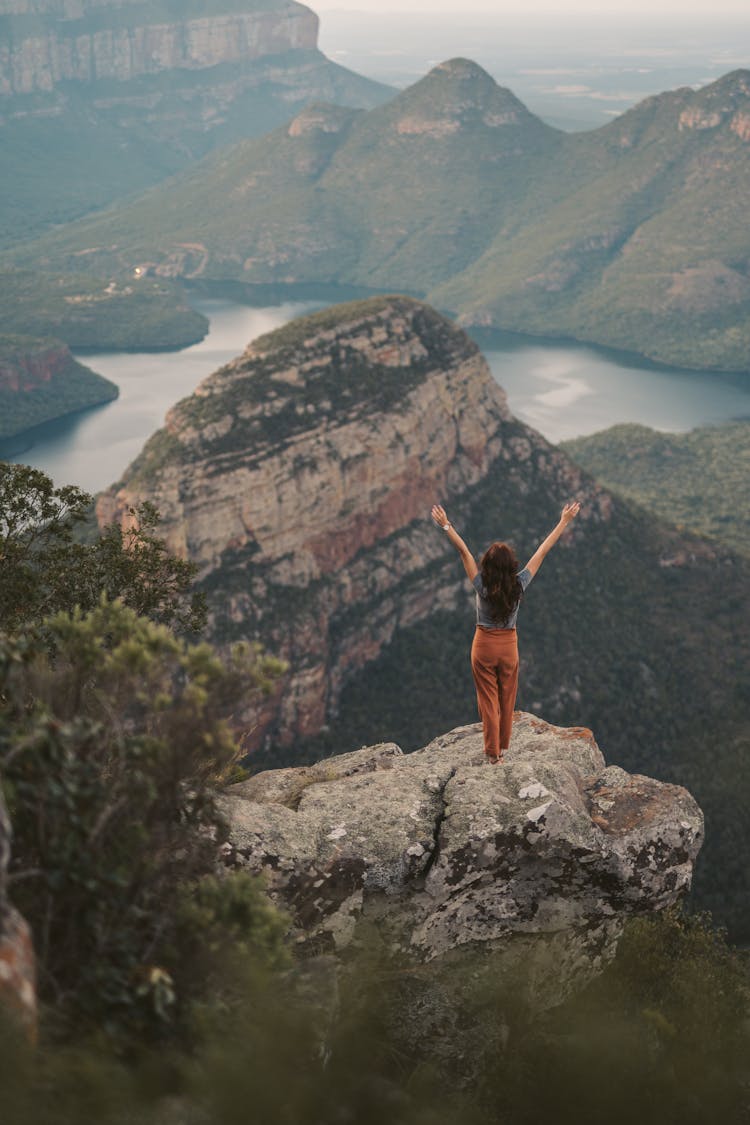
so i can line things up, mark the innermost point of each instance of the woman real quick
(494, 654)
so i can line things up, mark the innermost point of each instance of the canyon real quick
(299, 479)
(100, 100)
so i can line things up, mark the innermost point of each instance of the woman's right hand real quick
(439, 516)
(569, 512)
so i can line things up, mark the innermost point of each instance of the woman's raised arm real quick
(569, 513)
(470, 566)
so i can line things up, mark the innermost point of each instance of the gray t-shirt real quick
(484, 610)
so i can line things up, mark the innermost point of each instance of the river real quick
(562, 389)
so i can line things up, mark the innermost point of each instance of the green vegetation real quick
(661, 1036)
(697, 480)
(82, 145)
(454, 190)
(89, 313)
(171, 994)
(292, 336)
(47, 569)
(71, 387)
(109, 776)
(114, 738)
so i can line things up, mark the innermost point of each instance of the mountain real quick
(633, 235)
(367, 196)
(299, 478)
(40, 380)
(101, 98)
(647, 246)
(698, 480)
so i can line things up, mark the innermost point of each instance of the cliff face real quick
(40, 380)
(73, 42)
(442, 852)
(298, 478)
(28, 369)
(100, 100)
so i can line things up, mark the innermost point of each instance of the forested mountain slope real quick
(633, 235)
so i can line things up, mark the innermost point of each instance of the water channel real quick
(562, 389)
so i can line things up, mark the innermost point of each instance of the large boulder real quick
(445, 852)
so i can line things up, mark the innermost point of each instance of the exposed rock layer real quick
(40, 380)
(447, 852)
(123, 41)
(32, 368)
(298, 478)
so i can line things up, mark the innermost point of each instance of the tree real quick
(114, 739)
(45, 567)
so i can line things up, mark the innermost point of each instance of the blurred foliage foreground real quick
(169, 995)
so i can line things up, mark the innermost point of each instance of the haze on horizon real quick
(617, 10)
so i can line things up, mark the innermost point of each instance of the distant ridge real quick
(99, 100)
(634, 235)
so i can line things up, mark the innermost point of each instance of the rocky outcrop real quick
(299, 478)
(443, 852)
(77, 42)
(17, 965)
(113, 49)
(31, 367)
(40, 380)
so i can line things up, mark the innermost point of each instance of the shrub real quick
(111, 750)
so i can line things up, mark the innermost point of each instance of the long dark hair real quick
(499, 570)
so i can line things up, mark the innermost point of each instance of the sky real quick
(602, 9)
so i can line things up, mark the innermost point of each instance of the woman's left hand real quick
(569, 512)
(439, 516)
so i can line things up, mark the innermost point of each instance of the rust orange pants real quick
(494, 663)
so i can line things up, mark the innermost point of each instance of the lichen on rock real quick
(445, 853)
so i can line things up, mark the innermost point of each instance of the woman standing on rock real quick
(499, 586)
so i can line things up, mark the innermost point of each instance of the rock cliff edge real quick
(441, 851)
